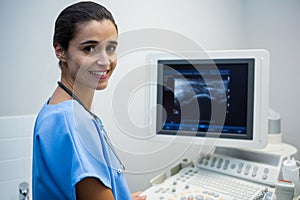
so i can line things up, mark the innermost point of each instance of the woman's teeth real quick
(100, 73)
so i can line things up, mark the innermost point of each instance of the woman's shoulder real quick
(66, 113)
(59, 110)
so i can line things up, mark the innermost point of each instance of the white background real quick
(29, 69)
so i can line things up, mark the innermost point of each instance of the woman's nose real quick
(103, 59)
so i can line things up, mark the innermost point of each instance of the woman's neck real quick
(83, 93)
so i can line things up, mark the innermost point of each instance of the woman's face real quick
(91, 56)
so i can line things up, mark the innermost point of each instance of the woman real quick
(72, 155)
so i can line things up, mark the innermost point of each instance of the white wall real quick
(30, 71)
(15, 154)
(275, 26)
(30, 67)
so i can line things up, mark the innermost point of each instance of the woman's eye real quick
(89, 49)
(111, 48)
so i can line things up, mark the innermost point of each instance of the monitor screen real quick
(222, 95)
(234, 91)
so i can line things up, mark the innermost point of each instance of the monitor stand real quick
(277, 147)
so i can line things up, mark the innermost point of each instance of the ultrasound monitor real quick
(214, 97)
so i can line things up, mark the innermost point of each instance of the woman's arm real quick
(92, 189)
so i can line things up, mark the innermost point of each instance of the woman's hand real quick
(136, 196)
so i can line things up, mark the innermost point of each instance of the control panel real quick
(253, 166)
(201, 184)
(226, 174)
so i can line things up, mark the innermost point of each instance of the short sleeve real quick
(67, 149)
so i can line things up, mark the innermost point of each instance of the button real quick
(202, 155)
(120, 171)
(226, 164)
(216, 195)
(248, 166)
(255, 169)
(199, 197)
(241, 165)
(266, 170)
(265, 176)
(173, 189)
(214, 159)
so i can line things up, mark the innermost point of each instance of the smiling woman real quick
(72, 155)
(91, 56)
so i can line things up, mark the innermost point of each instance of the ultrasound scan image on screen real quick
(184, 84)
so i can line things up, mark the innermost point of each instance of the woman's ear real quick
(60, 52)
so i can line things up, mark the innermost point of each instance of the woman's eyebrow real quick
(96, 42)
(89, 42)
(113, 42)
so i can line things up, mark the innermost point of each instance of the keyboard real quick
(201, 184)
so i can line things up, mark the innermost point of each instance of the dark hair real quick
(74, 15)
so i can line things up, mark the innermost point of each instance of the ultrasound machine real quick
(220, 101)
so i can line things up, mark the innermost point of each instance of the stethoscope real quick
(106, 138)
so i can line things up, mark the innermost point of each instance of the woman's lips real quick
(100, 74)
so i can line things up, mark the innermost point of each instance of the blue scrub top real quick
(70, 145)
